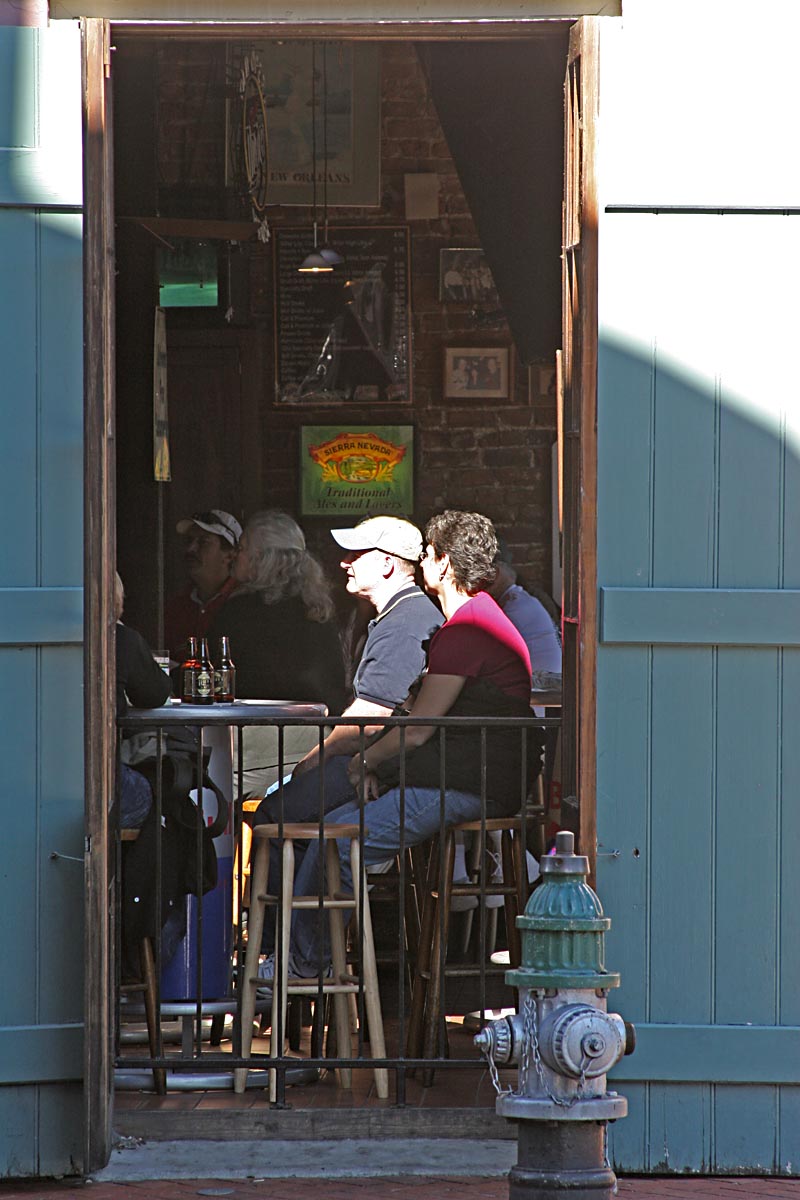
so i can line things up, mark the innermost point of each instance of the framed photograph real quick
(477, 373)
(353, 470)
(272, 85)
(466, 278)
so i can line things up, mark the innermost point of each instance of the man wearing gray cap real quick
(381, 555)
(211, 540)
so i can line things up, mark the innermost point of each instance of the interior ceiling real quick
(501, 109)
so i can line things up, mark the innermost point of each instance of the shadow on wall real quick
(698, 687)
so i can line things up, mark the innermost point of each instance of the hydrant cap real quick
(564, 861)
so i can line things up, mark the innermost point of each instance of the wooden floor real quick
(323, 1107)
(452, 1087)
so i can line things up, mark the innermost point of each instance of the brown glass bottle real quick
(224, 675)
(190, 669)
(205, 676)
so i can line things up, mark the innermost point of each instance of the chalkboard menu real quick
(343, 337)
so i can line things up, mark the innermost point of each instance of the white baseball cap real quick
(390, 534)
(214, 520)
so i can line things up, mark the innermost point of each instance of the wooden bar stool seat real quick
(341, 985)
(427, 996)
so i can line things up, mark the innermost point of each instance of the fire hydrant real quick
(563, 1039)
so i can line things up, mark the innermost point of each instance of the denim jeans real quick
(301, 799)
(135, 798)
(301, 802)
(423, 818)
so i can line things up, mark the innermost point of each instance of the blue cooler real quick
(179, 976)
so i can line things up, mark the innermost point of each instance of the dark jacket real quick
(279, 653)
(139, 677)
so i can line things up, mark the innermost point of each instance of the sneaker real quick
(266, 971)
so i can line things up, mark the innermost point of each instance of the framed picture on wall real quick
(477, 372)
(465, 277)
(341, 111)
(354, 470)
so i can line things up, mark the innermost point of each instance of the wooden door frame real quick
(578, 378)
(98, 586)
(100, 483)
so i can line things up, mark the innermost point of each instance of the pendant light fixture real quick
(331, 256)
(314, 263)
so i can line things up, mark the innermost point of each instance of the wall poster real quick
(343, 337)
(355, 470)
(273, 81)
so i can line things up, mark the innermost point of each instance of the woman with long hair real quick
(283, 637)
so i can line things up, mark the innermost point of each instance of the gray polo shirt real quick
(394, 652)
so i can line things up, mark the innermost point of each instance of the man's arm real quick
(346, 739)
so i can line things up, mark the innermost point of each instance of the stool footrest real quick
(474, 889)
(491, 825)
(468, 971)
(313, 901)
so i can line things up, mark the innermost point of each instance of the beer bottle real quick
(205, 676)
(190, 669)
(224, 675)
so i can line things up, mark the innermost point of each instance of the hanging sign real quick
(351, 470)
(161, 464)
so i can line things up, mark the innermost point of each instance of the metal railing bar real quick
(400, 1064)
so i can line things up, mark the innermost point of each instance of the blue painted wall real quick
(699, 682)
(41, 571)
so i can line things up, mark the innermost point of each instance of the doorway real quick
(493, 457)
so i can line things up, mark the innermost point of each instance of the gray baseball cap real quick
(214, 520)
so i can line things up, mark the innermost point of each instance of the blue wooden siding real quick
(41, 576)
(699, 682)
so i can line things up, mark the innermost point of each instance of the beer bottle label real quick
(204, 683)
(189, 678)
(223, 682)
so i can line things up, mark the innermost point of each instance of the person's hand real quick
(302, 767)
(355, 773)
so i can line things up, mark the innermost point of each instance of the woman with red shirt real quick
(478, 665)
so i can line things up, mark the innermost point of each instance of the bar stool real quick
(427, 994)
(147, 986)
(342, 985)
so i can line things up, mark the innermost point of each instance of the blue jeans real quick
(423, 819)
(301, 799)
(135, 798)
(301, 802)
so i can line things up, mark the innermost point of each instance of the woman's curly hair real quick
(470, 541)
(282, 566)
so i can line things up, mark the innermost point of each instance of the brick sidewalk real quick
(412, 1188)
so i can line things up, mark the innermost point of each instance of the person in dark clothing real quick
(283, 638)
(140, 681)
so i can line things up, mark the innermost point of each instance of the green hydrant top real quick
(563, 928)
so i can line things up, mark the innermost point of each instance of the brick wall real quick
(488, 455)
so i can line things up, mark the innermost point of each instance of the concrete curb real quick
(135, 1161)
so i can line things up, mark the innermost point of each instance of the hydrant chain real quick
(532, 1038)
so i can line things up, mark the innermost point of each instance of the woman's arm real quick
(437, 696)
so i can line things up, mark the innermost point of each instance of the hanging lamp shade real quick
(314, 263)
(331, 256)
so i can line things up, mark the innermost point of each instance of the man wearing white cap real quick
(211, 542)
(380, 559)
